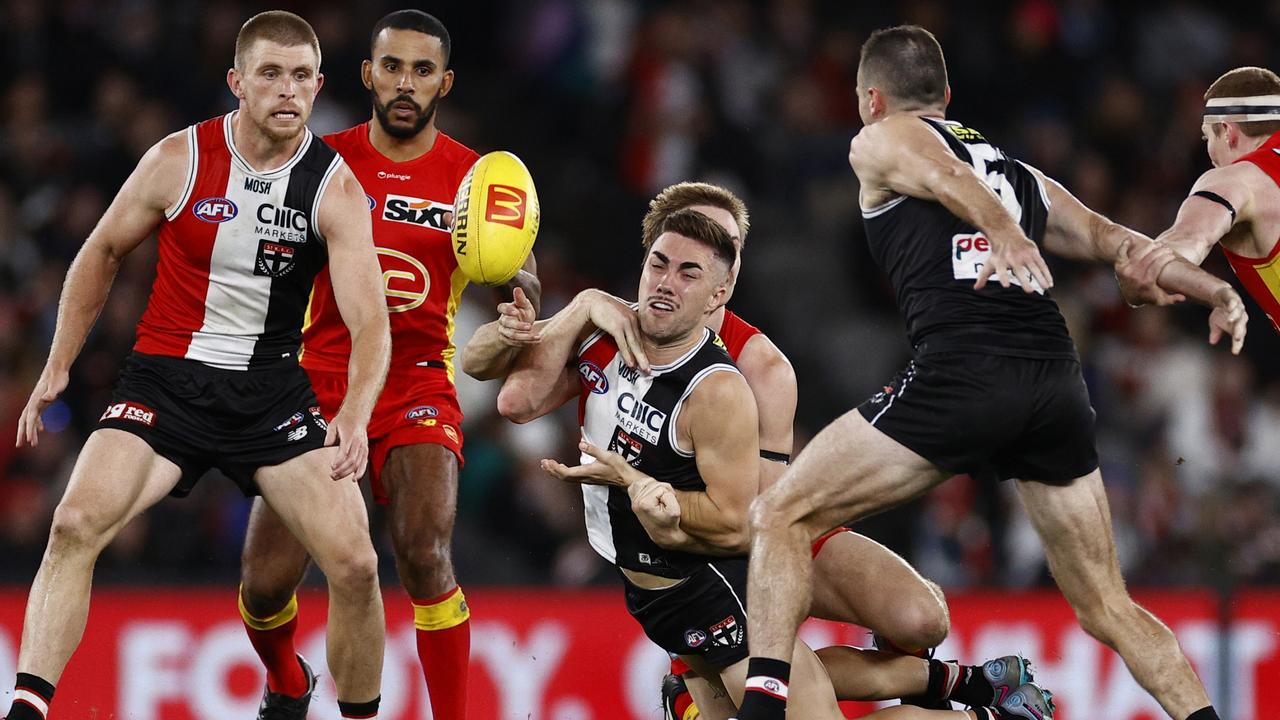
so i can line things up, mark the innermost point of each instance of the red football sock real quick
(444, 647)
(272, 639)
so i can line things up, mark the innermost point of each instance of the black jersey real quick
(933, 258)
(634, 415)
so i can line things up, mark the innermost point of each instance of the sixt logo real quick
(416, 211)
(215, 210)
(592, 377)
(420, 412)
(506, 206)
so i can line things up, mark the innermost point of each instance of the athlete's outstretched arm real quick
(537, 383)
(138, 208)
(1202, 221)
(1076, 232)
(343, 220)
(773, 383)
(901, 154)
(492, 350)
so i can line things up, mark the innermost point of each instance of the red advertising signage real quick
(545, 655)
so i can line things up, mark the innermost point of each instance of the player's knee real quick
(75, 528)
(1105, 621)
(425, 561)
(922, 621)
(353, 571)
(262, 596)
(765, 515)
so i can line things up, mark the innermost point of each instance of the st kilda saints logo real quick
(274, 259)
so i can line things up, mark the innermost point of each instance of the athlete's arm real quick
(541, 379)
(138, 208)
(343, 220)
(1076, 232)
(1201, 221)
(901, 154)
(723, 427)
(492, 350)
(773, 383)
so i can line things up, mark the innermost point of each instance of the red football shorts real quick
(419, 405)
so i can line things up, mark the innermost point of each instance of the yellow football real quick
(495, 219)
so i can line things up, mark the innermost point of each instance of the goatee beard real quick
(401, 132)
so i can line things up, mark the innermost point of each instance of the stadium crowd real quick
(608, 101)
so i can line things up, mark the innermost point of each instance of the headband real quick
(1254, 108)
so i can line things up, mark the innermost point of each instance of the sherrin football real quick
(495, 219)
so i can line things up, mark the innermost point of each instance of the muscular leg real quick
(1074, 523)
(850, 470)
(421, 481)
(329, 519)
(850, 575)
(116, 477)
(272, 566)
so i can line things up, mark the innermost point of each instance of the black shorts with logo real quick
(202, 417)
(985, 415)
(705, 615)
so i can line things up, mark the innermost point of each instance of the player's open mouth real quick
(661, 306)
(285, 115)
(404, 109)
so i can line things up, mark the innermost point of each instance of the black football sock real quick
(972, 687)
(1205, 713)
(944, 678)
(766, 690)
(359, 710)
(31, 698)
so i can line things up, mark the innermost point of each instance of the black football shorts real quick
(705, 615)
(202, 417)
(991, 415)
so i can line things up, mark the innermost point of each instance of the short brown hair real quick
(685, 195)
(278, 26)
(906, 63)
(1246, 82)
(696, 226)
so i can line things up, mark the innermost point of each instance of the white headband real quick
(1255, 108)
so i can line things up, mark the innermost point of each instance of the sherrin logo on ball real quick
(495, 219)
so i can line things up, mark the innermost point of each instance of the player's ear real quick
(319, 81)
(233, 82)
(946, 96)
(446, 83)
(366, 74)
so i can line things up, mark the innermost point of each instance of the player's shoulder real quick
(764, 364)
(455, 155)
(346, 140)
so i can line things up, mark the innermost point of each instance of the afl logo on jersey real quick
(593, 377)
(373, 204)
(215, 210)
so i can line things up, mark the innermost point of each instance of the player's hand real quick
(609, 469)
(47, 389)
(655, 505)
(1228, 317)
(352, 439)
(1138, 269)
(448, 221)
(515, 321)
(1014, 255)
(621, 323)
